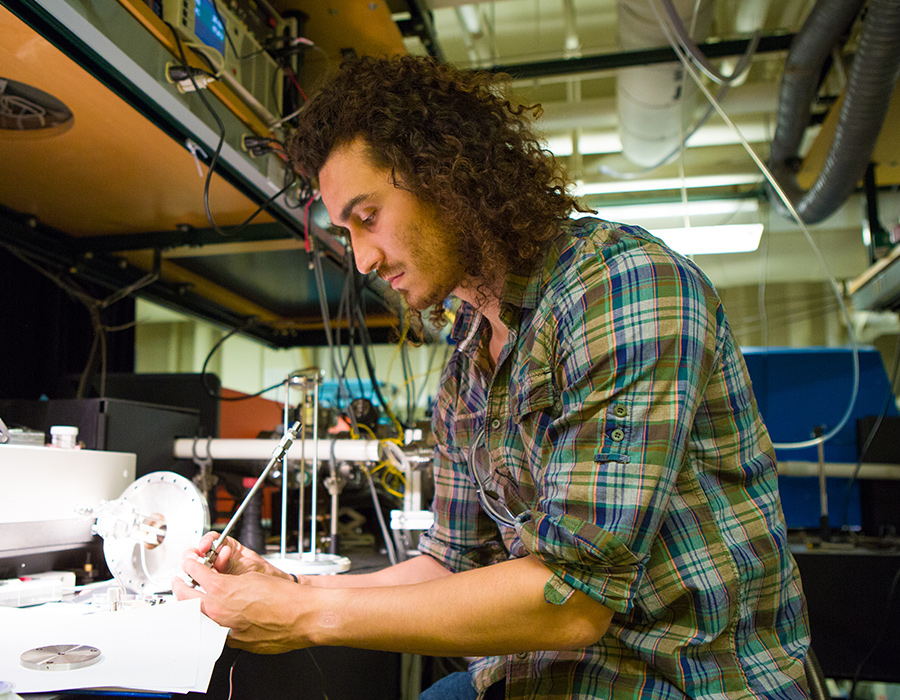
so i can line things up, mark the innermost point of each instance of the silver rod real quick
(284, 476)
(823, 484)
(315, 468)
(334, 501)
(301, 527)
(277, 455)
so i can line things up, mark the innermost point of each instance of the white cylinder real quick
(252, 448)
(64, 436)
(651, 99)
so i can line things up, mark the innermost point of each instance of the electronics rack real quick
(241, 34)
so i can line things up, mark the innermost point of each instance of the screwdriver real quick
(277, 455)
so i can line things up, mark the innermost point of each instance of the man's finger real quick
(206, 542)
(183, 591)
(198, 571)
(222, 558)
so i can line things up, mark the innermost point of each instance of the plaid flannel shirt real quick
(624, 434)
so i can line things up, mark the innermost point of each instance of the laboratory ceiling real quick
(120, 194)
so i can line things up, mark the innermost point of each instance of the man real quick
(606, 506)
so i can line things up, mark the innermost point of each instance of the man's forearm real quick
(499, 609)
(416, 570)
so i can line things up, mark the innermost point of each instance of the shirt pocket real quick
(532, 394)
(461, 431)
(533, 405)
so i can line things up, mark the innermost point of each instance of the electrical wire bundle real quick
(257, 146)
(677, 32)
(351, 308)
(291, 175)
(352, 313)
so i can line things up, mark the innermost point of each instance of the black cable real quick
(431, 357)
(319, 275)
(215, 116)
(884, 626)
(215, 158)
(409, 383)
(203, 374)
(895, 373)
(344, 364)
(370, 366)
(366, 341)
(305, 192)
(318, 671)
(359, 322)
(213, 71)
(350, 286)
(231, 674)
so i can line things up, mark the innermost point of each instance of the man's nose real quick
(368, 257)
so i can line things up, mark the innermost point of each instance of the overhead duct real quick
(870, 84)
(650, 99)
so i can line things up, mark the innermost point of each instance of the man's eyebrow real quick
(348, 207)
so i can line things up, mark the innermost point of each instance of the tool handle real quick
(277, 455)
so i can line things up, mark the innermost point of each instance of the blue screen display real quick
(207, 25)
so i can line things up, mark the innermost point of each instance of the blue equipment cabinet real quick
(798, 389)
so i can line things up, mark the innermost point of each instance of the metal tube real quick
(315, 469)
(284, 476)
(277, 455)
(345, 450)
(301, 511)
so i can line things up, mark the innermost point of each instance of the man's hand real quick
(265, 613)
(233, 557)
(416, 607)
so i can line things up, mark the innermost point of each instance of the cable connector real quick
(256, 146)
(177, 74)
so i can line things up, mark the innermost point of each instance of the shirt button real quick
(620, 411)
(522, 655)
(617, 435)
(495, 424)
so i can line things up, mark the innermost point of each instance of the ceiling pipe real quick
(573, 41)
(749, 17)
(873, 76)
(599, 113)
(474, 34)
(653, 101)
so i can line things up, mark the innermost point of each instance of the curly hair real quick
(454, 139)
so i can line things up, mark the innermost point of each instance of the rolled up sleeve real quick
(628, 351)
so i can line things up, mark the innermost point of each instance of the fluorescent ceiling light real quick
(560, 146)
(669, 183)
(712, 240)
(630, 213)
(723, 135)
(604, 142)
(470, 19)
(601, 142)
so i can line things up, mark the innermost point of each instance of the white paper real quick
(170, 647)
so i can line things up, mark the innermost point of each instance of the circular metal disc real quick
(186, 515)
(60, 657)
(310, 564)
